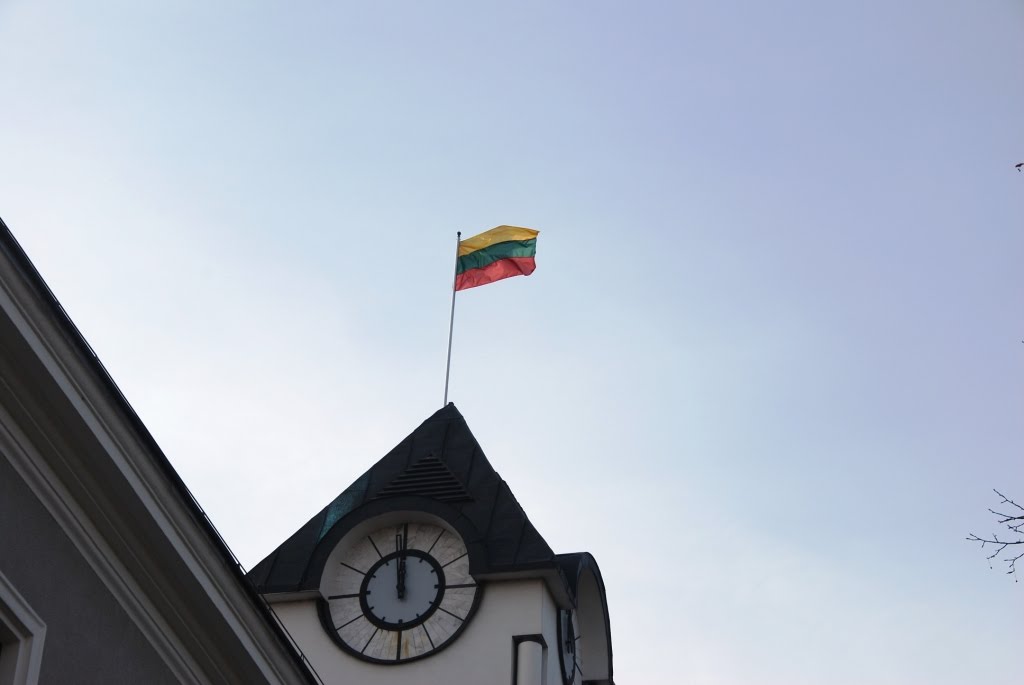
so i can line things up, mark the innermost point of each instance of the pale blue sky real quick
(769, 366)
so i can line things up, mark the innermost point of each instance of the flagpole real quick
(451, 322)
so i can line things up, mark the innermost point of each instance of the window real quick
(21, 638)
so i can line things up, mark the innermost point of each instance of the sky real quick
(767, 372)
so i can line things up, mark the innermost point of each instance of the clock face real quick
(568, 643)
(402, 589)
(400, 592)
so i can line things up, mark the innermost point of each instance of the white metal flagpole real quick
(451, 323)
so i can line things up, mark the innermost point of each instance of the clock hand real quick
(400, 547)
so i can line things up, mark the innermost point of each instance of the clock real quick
(395, 591)
(568, 646)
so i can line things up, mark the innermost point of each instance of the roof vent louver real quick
(428, 477)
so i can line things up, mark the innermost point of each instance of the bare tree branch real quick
(1007, 500)
(1013, 523)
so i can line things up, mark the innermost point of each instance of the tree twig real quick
(1014, 524)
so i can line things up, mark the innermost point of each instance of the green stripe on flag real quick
(498, 251)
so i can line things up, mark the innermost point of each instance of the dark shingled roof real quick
(439, 467)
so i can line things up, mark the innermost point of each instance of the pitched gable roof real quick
(439, 465)
(122, 503)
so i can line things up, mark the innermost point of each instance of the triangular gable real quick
(440, 461)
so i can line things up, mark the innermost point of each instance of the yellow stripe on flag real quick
(498, 234)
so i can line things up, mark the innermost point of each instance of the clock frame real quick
(362, 607)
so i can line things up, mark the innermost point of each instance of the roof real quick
(141, 496)
(439, 468)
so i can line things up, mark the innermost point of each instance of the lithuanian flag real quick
(499, 253)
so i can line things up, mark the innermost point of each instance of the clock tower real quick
(427, 571)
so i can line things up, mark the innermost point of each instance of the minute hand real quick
(400, 585)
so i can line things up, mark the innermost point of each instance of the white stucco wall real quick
(482, 655)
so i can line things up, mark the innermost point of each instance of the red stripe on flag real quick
(495, 271)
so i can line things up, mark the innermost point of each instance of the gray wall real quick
(89, 638)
